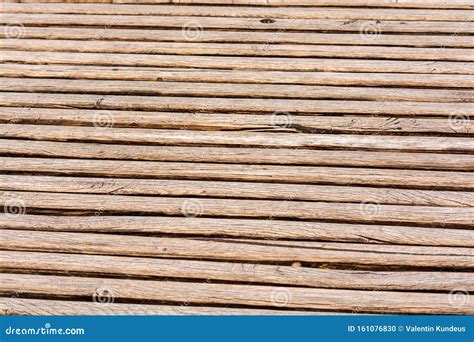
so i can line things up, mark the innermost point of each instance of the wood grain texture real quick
(177, 206)
(240, 172)
(238, 63)
(44, 307)
(444, 4)
(262, 37)
(460, 27)
(218, 49)
(236, 76)
(255, 139)
(241, 11)
(241, 155)
(240, 250)
(232, 90)
(57, 263)
(213, 157)
(249, 228)
(209, 104)
(278, 122)
(157, 187)
(247, 295)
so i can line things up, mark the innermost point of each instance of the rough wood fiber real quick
(246, 295)
(217, 156)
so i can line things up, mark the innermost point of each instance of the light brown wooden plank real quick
(237, 172)
(238, 63)
(247, 295)
(451, 4)
(229, 138)
(263, 37)
(250, 228)
(24, 306)
(458, 27)
(158, 88)
(280, 122)
(246, 12)
(248, 190)
(241, 155)
(204, 104)
(218, 49)
(55, 263)
(236, 76)
(239, 249)
(178, 206)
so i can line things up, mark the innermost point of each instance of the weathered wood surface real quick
(234, 49)
(236, 157)
(241, 250)
(249, 12)
(246, 295)
(238, 63)
(42, 307)
(215, 36)
(249, 228)
(236, 76)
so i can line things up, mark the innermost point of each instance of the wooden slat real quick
(238, 172)
(177, 206)
(259, 296)
(121, 186)
(239, 250)
(236, 76)
(240, 11)
(232, 90)
(238, 63)
(237, 122)
(56, 263)
(216, 49)
(44, 307)
(214, 36)
(458, 27)
(204, 104)
(190, 137)
(273, 229)
(241, 155)
(445, 4)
